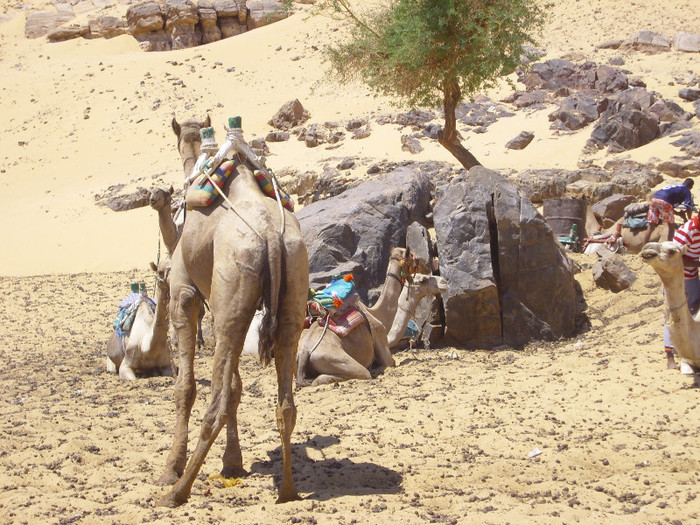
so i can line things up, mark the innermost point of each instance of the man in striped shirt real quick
(687, 235)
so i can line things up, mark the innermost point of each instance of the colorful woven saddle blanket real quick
(342, 324)
(335, 306)
(127, 312)
(203, 192)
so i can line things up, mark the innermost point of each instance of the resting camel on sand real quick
(666, 258)
(410, 298)
(236, 254)
(326, 358)
(144, 349)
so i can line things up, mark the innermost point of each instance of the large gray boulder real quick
(509, 282)
(356, 230)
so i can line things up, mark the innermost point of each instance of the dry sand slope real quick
(445, 437)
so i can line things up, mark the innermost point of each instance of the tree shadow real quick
(330, 478)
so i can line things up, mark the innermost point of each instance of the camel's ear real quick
(171, 190)
(207, 122)
(154, 267)
(176, 127)
(683, 248)
(408, 252)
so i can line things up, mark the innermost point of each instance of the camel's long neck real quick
(385, 307)
(684, 330)
(406, 307)
(167, 228)
(160, 320)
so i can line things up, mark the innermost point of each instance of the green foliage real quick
(414, 49)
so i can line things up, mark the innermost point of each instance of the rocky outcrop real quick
(264, 12)
(355, 231)
(495, 251)
(163, 25)
(147, 25)
(181, 19)
(593, 183)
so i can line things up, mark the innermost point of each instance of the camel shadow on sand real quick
(329, 478)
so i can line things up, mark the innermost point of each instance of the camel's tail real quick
(273, 282)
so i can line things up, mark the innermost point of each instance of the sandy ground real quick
(444, 437)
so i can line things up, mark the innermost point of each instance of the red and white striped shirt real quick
(688, 235)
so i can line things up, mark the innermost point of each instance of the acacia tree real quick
(432, 53)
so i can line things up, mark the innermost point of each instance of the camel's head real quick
(409, 264)
(160, 197)
(162, 271)
(189, 142)
(665, 257)
(428, 284)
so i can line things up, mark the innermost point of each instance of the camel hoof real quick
(234, 472)
(168, 477)
(169, 501)
(293, 495)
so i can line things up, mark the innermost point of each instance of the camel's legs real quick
(233, 459)
(216, 416)
(334, 365)
(184, 306)
(290, 324)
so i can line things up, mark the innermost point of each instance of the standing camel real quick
(236, 254)
(326, 358)
(144, 348)
(666, 258)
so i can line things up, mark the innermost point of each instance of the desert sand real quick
(588, 430)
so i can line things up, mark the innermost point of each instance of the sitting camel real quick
(666, 258)
(327, 358)
(144, 348)
(410, 298)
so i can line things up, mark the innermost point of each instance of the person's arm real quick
(690, 262)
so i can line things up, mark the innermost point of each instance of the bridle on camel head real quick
(408, 267)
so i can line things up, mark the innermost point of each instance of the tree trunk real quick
(448, 136)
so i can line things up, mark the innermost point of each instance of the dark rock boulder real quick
(609, 210)
(509, 281)
(611, 273)
(356, 230)
(522, 141)
(290, 115)
(689, 94)
(575, 112)
(627, 123)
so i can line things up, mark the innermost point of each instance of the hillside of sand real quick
(589, 430)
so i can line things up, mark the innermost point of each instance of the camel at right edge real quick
(666, 258)
(325, 358)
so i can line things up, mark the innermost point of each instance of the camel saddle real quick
(334, 306)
